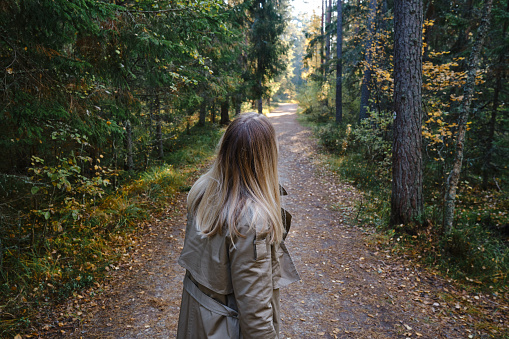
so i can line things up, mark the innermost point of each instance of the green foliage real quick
(81, 227)
(477, 251)
(266, 48)
(473, 254)
(201, 138)
(374, 136)
(361, 151)
(81, 78)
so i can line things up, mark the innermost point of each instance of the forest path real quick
(349, 287)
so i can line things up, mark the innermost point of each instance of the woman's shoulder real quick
(253, 222)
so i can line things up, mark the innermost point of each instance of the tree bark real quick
(328, 18)
(368, 58)
(1, 257)
(407, 205)
(150, 145)
(237, 101)
(159, 130)
(213, 113)
(322, 30)
(451, 184)
(487, 166)
(129, 146)
(339, 65)
(491, 133)
(203, 113)
(225, 107)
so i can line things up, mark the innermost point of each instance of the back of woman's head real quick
(243, 181)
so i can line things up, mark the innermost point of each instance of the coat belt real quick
(206, 301)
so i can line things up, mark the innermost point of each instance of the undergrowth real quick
(475, 253)
(72, 238)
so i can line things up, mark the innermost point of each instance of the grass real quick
(76, 253)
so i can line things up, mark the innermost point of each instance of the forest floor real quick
(351, 287)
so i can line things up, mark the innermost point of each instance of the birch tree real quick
(451, 184)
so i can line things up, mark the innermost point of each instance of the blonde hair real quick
(243, 181)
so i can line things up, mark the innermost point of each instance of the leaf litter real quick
(352, 286)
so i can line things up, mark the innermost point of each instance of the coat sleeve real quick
(251, 272)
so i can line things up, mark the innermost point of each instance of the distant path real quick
(349, 288)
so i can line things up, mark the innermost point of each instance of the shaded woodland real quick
(422, 118)
(107, 108)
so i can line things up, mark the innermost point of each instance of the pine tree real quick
(266, 45)
(407, 204)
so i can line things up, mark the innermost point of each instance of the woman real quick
(234, 254)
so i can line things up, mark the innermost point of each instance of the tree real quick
(266, 45)
(339, 64)
(328, 20)
(368, 60)
(406, 199)
(225, 106)
(468, 91)
(500, 67)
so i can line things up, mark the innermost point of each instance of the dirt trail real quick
(349, 288)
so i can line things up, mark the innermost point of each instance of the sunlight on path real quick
(349, 289)
(283, 109)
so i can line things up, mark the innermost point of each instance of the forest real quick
(455, 211)
(108, 108)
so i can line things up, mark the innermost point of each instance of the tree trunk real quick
(464, 30)
(160, 146)
(327, 36)
(129, 166)
(322, 30)
(237, 101)
(487, 166)
(407, 205)
(203, 113)
(1, 258)
(159, 130)
(368, 58)
(339, 65)
(260, 106)
(213, 113)
(225, 107)
(451, 184)
(491, 133)
(150, 145)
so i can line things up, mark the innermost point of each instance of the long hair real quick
(243, 181)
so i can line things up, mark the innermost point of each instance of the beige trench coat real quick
(231, 289)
